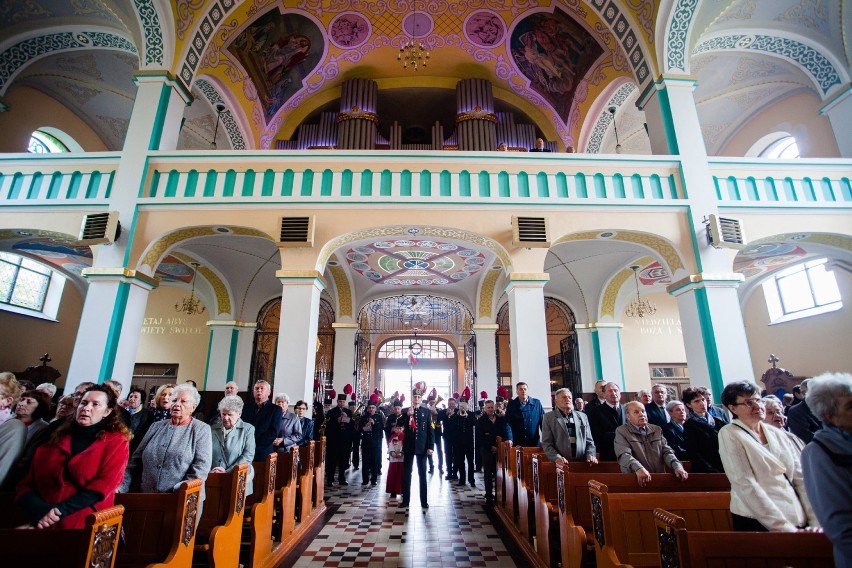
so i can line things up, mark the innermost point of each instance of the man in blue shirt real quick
(524, 415)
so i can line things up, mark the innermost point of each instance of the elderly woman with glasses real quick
(172, 451)
(775, 417)
(233, 439)
(767, 489)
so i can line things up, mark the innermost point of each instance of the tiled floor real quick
(368, 529)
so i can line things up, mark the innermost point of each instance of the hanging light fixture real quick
(639, 307)
(413, 51)
(617, 143)
(220, 108)
(191, 305)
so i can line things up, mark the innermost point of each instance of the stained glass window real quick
(23, 282)
(43, 143)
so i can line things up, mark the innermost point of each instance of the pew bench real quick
(160, 527)
(684, 548)
(623, 523)
(575, 510)
(318, 494)
(500, 478)
(526, 491)
(286, 476)
(260, 505)
(305, 483)
(220, 528)
(93, 545)
(546, 510)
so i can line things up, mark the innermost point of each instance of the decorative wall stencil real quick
(58, 252)
(217, 12)
(554, 52)
(151, 29)
(349, 30)
(812, 14)
(654, 273)
(658, 244)
(750, 68)
(813, 62)
(341, 284)
(157, 249)
(278, 51)
(486, 291)
(172, 269)
(760, 258)
(405, 262)
(235, 135)
(484, 28)
(605, 118)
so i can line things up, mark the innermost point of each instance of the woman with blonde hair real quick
(13, 433)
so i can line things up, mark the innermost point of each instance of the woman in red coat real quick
(79, 469)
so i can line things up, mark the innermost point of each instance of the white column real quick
(528, 333)
(343, 371)
(486, 358)
(606, 344)
(589, 371)
(295, 359)
(838, 109)
(110, 326)
(221, 354)
(245, 347)
(713, 331)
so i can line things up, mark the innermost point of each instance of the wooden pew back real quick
(318, 495)
(511, 481)
(525, 490)
(160, 527)
(285, 494)
(260, 547)
(305, 484)
(624, 527)
(546, 510)
(220, 527)
(683, 548)
(501, 474)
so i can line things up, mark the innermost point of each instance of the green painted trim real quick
(267, 186)
(209, 351)
(366, 188)
(230, 182)
(708, 338)
(596, 350)
(445, 188)
(159, 118)
(326, 182)
(620, 360)
(114, 333)
(248, 183)
(345, 183)
(191, 183)
(386, 183)
(232, 353)
(668, 121)
(693, 237)
(131, 233)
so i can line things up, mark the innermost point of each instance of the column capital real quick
(301, 278)
(121, 274)
(526, 280)
(162, 76)
(344, 326)
(231, 323)
(599, 325)
(840, 96)
(705, 280)
(662, 82)
(486, 327)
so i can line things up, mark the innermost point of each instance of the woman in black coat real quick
(701, 434)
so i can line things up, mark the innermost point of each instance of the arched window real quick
(777, 145)
(806, 289)
(29, 287)
(42, 142)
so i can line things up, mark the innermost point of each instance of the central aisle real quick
(367, 529)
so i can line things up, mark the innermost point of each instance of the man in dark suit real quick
(371, 427)
(598, 399)
(416, 422)
(656, 409)
(539, 146)
(448, 434)
(488, 428)
(604, 419)
(800, 420)
(673, 429)
(338, 435)
(265, 417)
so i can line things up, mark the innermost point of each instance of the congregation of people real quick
(789, 462)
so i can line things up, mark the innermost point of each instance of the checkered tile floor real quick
(368, 529)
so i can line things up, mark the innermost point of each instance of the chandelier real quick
(190, 305)
(413, 52)
(639, 307)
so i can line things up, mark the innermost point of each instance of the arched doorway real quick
(562, 350)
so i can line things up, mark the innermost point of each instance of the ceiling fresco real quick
(763, 257)
(410, 263)
(59, 253)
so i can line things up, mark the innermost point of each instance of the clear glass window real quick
(802, 290)
(43, 143)
(23, 282)
(432, 349)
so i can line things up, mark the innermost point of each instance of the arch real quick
(221, 291)
(342, 285)
(609, 298)
(57, 40)
(678, 34)
(59, 251)
(158, 38)
(408, 231)
(486, 292)
(229, 123)
(593, 137)
(662, 249)
(157, 250)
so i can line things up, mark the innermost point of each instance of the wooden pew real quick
(510, 480)
(305, 483)
(160, 527)
(501, 473)
(575, 510)
(94, 545)
(262, 505)
(285, 495)
(318, 495)
(220, 528)
(526, 491)
(624, 528)
(546, 510)
(683, 548)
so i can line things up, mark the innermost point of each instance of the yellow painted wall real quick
(807, 346)
(29, 110)
(169, 337)
(24, 339)
(654, 339)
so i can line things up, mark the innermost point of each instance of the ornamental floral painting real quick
(278, 51)
(554, 52)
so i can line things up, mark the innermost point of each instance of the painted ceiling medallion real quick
(405, 262)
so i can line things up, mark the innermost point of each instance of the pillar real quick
(838, 109)
(476, 123)
(357, 119)
(714, 334)
(343, 370)
(589, 369)
(486, 358)
(528, 333)
(230, 342)
(110, 326)
(606, 349)
(295, 359)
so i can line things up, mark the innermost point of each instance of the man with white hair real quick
(642, 449)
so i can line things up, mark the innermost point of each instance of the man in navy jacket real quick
(265, 417)
(524, 415)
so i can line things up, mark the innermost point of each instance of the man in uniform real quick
(462, 426)
(371, 428)
(418, 443)
(488, 428)
(339, 440)
(355, 435)
(449, 435)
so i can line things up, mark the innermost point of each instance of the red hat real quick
(433, 394)
(352, 396)
(347, 389)
(374, 399)
(456, 395)
(483, 394)
(465, 396)
(332, 393)
(419, 389)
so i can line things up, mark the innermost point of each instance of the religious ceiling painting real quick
(654, 273)
(173, 269)
(485, 28)
(758, 258)
(58, 252)
(405, 262)
(554, 52)
(277, 52)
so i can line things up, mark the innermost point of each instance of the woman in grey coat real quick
(173, 451)
(233, 439)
